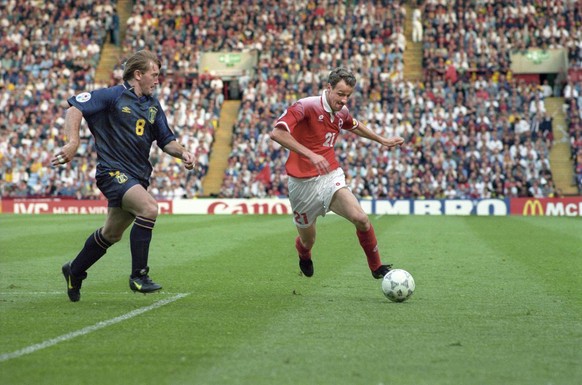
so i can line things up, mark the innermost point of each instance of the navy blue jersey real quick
(124, 126)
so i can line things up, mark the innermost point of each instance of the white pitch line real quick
(63, 293)
(88, 329)
(31, 293)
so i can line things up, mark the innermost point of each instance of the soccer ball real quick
(398, 285)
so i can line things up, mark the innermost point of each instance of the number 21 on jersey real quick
(329, 139)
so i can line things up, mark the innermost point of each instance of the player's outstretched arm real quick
(73, 120)
(365, 132)
(178, 151)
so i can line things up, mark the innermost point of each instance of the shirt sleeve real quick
(351, 122)
(90, 103)
(163, 133)
(292, 115)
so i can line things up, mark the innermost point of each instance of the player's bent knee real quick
(149, 210)
(362, 222)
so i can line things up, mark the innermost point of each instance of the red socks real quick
(367, 240)
(370, 245)
(304, 254)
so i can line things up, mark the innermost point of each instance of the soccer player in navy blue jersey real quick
(125, 120)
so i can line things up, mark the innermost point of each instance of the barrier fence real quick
(571, 206)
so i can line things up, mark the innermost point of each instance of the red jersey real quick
(313, 124)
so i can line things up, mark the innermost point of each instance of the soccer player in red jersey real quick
(309, 129)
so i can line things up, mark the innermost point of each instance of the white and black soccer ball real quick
(398, 285)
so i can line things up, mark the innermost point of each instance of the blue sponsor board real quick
(481, 207)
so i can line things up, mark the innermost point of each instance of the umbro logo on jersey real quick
(126, 109)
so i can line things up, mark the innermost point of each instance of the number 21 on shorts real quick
(301, 218)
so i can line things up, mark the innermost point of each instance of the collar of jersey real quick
(129, 88)
(326, 106)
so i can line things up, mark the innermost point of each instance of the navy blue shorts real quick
(115, 184)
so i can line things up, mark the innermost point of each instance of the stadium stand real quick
(475, 131)
(48, 51)
(472, 128)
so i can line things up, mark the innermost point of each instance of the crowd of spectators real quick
(178, 33)
(472, 129)
(477, 37)
(300, 46)
(465, 40)
(48, 52)
(573, 112)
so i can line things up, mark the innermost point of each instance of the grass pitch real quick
(497, 301)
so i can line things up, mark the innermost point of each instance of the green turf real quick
(497, 301)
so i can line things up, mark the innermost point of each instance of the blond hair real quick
(139, 61)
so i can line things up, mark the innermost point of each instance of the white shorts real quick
(311, 197)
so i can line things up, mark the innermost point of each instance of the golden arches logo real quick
(533, 207)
